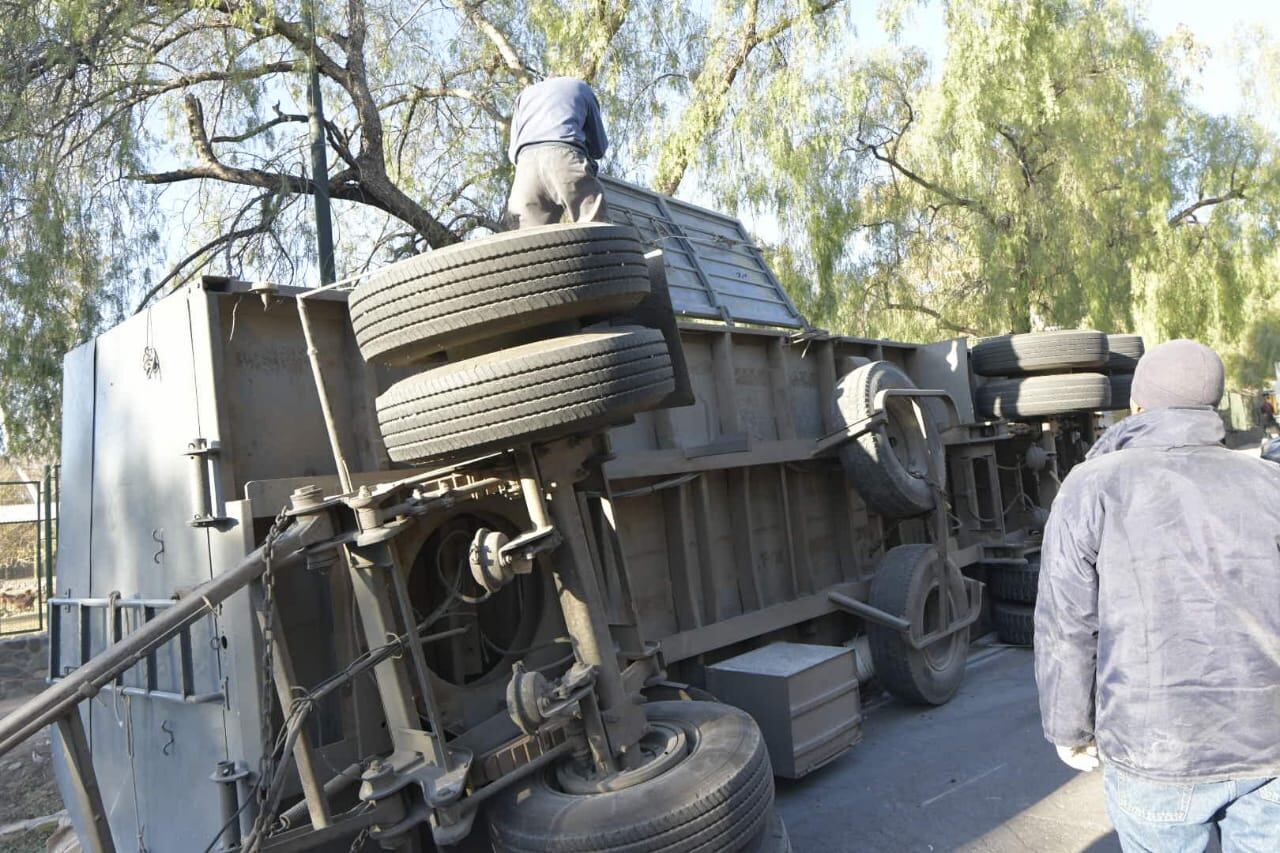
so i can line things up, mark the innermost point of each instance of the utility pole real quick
(319, 155)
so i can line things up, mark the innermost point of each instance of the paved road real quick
(973, 775)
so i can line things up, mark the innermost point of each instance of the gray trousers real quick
(552, 181)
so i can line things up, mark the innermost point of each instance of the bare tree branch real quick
(221, 240)
(281, 118)
(937, 317)
(1187, 214)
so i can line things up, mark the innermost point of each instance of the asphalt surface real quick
(974, 775)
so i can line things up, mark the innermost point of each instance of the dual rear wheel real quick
(714, 794)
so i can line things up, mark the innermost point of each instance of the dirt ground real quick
(27, 792)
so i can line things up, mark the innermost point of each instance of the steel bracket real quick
(401, 769)
(528, 545)
(973, 592)
(440, 789)
(200, 451)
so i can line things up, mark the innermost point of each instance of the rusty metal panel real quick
(714, 268)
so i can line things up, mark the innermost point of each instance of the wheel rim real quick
(940, 654)
(663, 745)
(905, 439)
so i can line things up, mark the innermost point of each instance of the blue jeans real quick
(1168, 817)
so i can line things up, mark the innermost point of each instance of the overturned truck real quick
(573, 537)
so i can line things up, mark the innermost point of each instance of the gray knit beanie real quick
(1178, 373)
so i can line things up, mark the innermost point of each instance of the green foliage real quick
(1052, 172)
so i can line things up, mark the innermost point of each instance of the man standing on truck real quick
(1157, 632)
(557, 139)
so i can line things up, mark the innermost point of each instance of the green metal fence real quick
(28, 548)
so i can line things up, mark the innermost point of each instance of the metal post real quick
(419, 659)
(581, 601)
(330, 425)
(39, 557)
(319, 155)
(226, 776)
(304, 755)
(48, 532)
(83, 790)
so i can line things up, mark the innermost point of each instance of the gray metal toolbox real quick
(804, 697)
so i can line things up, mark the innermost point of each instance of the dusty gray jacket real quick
(561, 109)
(1158, 617)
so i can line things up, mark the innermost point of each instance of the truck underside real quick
(311, 595)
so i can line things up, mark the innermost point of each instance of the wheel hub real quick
(663, 746)
(939, 653)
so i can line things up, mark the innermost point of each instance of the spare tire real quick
(1015, 623)
(1043, 396)
(1123, 352)
(774, 839)
(481, 288)
(891, 466)
(528, 393)
(1015, 582)
(718, 797)
(1039, 352)
(903, 585)
(1121, 385)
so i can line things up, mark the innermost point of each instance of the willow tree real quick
(1052, 171)
(143, 142)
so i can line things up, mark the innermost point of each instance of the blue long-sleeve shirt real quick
(561, 109)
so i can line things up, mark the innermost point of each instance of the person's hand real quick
(1083, 758)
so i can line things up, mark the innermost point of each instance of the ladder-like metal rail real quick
(58, 704)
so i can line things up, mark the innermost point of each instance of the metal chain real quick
(268, 581)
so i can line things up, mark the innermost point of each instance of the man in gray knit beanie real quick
(1157, 633)
(1178, 373)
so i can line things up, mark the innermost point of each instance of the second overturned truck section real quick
(475, 539)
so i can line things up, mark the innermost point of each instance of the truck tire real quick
(481, 288)
(774, 839)
(891, 467)
(527, 393)
(1015, 583)
(1015, 623)
(719, 797)
(902, 586)
(1123, 352)
(1043, 396)
(1121, 385)
(1039, 352)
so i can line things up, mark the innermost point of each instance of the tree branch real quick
(221, 240)
(1187, 214)
(510, 57)
(941, 321)
(209, 167)
(609, 19)
(891, 160)
(281, 118)
(707, 110)
(420, 93)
